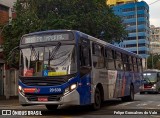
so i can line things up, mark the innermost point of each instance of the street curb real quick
(10, 98)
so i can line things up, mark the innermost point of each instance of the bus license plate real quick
(42, 99)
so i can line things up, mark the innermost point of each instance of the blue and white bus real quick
(67, 67)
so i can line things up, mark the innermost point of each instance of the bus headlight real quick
(154, 86)
(73, 86)
(20, 89)
(70, 88)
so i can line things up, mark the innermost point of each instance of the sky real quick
(154, 11)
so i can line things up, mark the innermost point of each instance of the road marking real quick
(155, 116)
(127, 103)
(143, 104)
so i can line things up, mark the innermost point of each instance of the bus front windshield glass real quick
(150, 77)
(48, 61)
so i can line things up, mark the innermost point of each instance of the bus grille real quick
(43, 81)
(34, 97)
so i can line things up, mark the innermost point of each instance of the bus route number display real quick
(45, 38)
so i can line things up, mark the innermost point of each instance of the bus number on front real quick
(55, 90)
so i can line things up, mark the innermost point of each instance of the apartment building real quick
(154, 40)
(135, 18)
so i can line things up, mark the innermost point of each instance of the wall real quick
(11, 83)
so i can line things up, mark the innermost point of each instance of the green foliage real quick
(89, 16)
(153, 61)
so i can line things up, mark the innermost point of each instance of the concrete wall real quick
(11, 83)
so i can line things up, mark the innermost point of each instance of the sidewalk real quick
(13, 101)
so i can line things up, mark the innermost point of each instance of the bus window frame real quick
(100, 57)
(125, 61)
(84, 69)
(118, 61)
(110, 58)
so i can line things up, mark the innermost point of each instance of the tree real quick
(93, 17)
(153, 61)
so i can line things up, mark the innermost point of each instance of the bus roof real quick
(47, 31)
(111, 46)
(151, 70)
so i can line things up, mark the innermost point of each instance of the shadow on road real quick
(80, 110)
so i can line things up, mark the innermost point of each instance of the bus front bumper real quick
(71, 98)
(148, 90)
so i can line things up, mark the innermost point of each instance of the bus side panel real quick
(123, 82)
(128, 81)
(137, 82)
(118, 85)
(84, 90)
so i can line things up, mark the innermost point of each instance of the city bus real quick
(68, 67)
(151, 81)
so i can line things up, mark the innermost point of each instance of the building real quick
(154, 40)
(135, 18)
(6, 14)
(117, 2)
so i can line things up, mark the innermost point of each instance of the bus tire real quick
(97, 100)
(51, 107)
(131, 96)
(141, 92)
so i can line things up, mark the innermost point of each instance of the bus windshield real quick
(150, 77)
(48, 61)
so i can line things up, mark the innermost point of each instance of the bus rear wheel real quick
(131, 96)
(51, 107)
(97, 100)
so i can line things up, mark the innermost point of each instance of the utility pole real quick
(136, 27)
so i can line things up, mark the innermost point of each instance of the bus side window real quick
(125, 62)
(139, 63)
(135, 64)
(110, 54)
(85, 56)
(98, 55)
(118, 60)
(130, 63)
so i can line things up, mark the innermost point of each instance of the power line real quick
(154, 2)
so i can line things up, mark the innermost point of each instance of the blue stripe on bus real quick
(123, 82)
(46, 89)
(84, 90)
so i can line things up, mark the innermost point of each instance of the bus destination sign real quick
(45, 38)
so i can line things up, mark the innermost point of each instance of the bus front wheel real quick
(51, 107)
(97, 100)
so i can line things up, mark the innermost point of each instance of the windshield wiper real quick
(64, 53)
(54, 51)
(34, 52)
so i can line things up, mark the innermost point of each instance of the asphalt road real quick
(144, 106)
